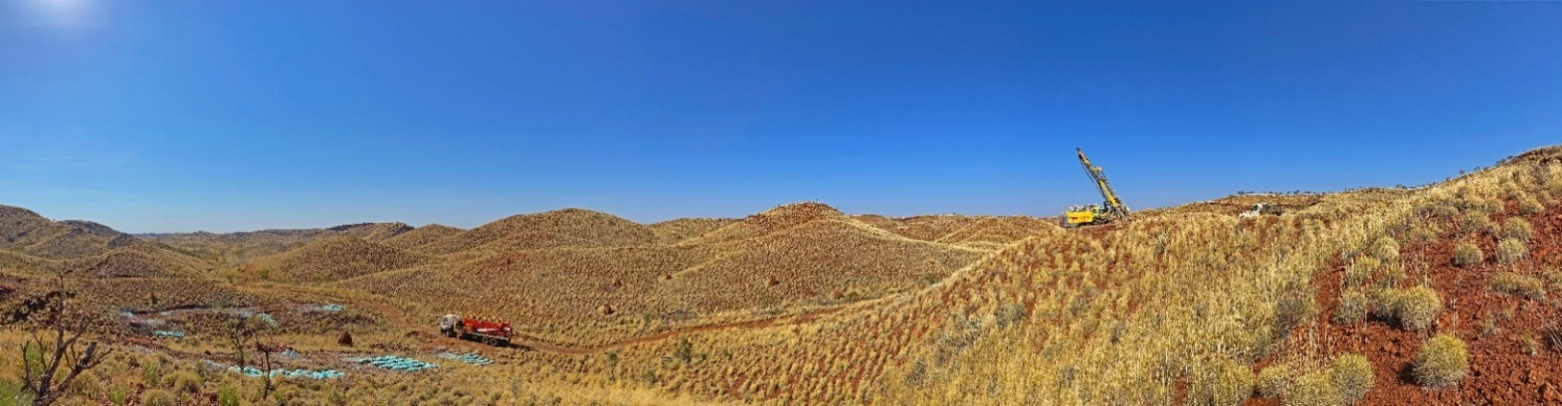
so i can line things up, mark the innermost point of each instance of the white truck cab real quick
(448, 323)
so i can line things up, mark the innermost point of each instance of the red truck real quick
(487, 330)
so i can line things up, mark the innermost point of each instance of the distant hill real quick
(776, 219)
(674, 231)
(335, 258)
(419, 239)
(236, 247)
(567, 228)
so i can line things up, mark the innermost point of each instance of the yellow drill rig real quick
(1111, 209)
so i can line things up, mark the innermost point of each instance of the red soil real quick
(1494, 326)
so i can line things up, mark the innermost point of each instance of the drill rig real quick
(1111, 208)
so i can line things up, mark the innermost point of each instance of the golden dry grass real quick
(335, 258)
(1178, 302)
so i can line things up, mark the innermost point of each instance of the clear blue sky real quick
(223, 116)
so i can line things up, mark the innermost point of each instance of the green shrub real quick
(1352, 375)
(1223, 382)
(1386, 249)
(1390, 276)
(1273, 381)
(1313, 389)
(185, 382)
(227, 395)
(1531, 206)
(1352, 307)
(1413, 309)
(151, 373)
(1467, 253)
(117, 396)
(1518, 227)
(1361, 270)
(1519, 285)
(1511, 250)
(1417, 307)
(158, 397)
(1475, 222)
(1443, 361)
(12, 393)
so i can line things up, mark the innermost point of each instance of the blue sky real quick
(224, 116)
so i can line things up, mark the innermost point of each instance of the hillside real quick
(573, 228)
(241, 246)
(335, 258)
(421, 238)
(675, 231)
(1445, 294)
(773, 220)
(813, 257)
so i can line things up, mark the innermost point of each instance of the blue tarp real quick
(329, 307)
(168, 333)
(291, 373)
(394, 363)
(471, 358)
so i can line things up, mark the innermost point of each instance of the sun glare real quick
(68, 13)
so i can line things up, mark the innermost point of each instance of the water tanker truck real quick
(485, 329)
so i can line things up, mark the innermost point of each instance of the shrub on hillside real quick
(1352, 375)
(1474, 222)
(1224, 382)
(227, 395)
(1413, 309)
(1467, 254)
(158, 397)
(1520, 285)
(1273, 381)
(1361, 270)
(1443, 361)
(1511, 250)
(1518, 227)
(1352, 307)
(1390, 276)
(187, 382)
(1531, 206)
(1386, 249)
(1312, 389)
(1553, 280)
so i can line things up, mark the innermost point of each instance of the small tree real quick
(247, 330)
(42, 356)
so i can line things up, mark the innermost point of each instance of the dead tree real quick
(50, 314)
(265, 373)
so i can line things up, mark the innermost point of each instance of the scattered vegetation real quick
(1518, 285)
(1352, 376)
(1443, 361)
(1467, 254)
(1352, 307)
(1413, 309)
(1511, 250)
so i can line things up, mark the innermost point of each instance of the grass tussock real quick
(1518, 228)
(1443, 361)
(1352, 307)
(1223, 382)
(1511, 250)
(1468, 254)
(1352, 376)
(1413, 309)
(1518, 285)
(1313, 389)
(1273, 381)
